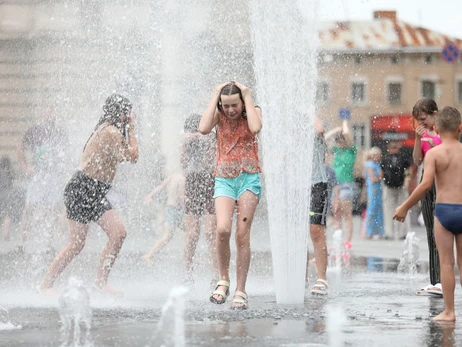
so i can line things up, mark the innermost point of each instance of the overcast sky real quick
(444, 16)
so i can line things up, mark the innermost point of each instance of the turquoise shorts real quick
(234, 187)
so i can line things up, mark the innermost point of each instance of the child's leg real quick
(459, 255)
(318, 237)
(224, 207)
(78, 234)
(115, 230)
(337, 216)
(24, 224)
(192, 227)
(6, 227)
(347, 212)
(428, 208)
(445, 245)
(210, 230)
(246, 206)
(161, 243)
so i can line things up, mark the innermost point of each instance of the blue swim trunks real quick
(234, 187)
(450, 217)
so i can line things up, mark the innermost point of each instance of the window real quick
(428, 59)
(428, 89)
(358, 92)
(359, 135)
(394, 93)
(322, 92)
(459, 92)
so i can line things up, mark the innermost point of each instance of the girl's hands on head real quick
(419, 131)
(244, 90)
(221, 86)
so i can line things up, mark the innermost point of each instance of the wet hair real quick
(339, 137)
(191, 124)
(448, 119)
(114, 108)
(374, 150)
(424, 105)
(231, 89)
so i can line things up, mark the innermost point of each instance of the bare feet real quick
(445, 317)
(50, 292)
(147, 260)
(108, 290)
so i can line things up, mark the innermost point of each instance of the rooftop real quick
(384, 33)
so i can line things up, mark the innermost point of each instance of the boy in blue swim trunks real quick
(443, 164)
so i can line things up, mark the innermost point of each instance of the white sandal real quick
(242, 299)
(320, 288)
(224, 295)
(429, 291)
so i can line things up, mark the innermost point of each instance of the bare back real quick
(104, 150)
(447, 161)
(176, 190)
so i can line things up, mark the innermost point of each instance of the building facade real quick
(381, 68)
(71, 54)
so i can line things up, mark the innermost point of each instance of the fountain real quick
(5, 322)
(170, 330)
(336, 320)
(410, 254)
(285, 70)
(75, 314)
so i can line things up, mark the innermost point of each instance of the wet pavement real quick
(369, 303)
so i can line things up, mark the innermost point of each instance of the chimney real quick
(385, 14)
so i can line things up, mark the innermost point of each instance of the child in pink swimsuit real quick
(424, 112)
(427, 142)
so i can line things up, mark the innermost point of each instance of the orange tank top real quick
(237, 148)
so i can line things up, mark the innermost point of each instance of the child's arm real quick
(253, 113)
(347, 134)
(157, 189)
(318, 127)
(332, 132)
(210, 116)
(417, 155)
(335, 199)
(419, 192)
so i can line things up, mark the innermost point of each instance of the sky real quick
(444, 16)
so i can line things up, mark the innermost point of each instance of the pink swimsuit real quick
(425, 145)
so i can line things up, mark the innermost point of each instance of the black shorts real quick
(85, 198)
(199, 188)
(319, 204)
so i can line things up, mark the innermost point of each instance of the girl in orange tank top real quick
(237, 180)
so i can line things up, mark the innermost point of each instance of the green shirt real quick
(343, 164)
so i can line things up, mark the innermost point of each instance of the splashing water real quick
(410, 255)
(336, 320)
(75, 312)
(5, 323)
(338, 250)
(170, 331)
(285, 70)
